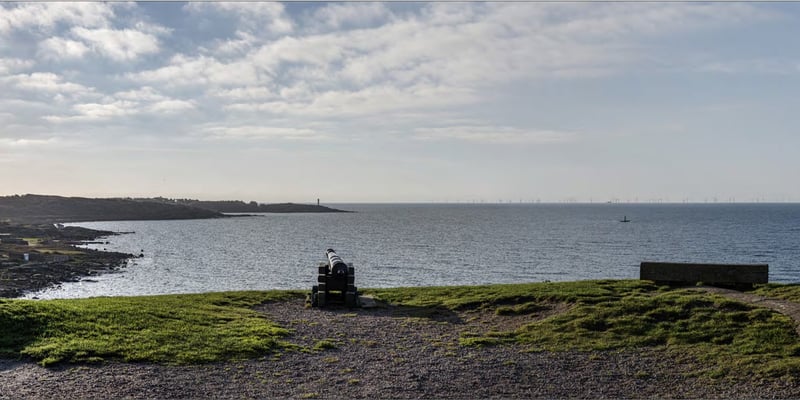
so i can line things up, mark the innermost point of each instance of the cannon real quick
(335, 283)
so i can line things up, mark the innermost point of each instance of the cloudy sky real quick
(381, 102)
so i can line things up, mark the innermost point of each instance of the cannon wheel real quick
(350, 295)
(314, 292)
(350, 299)
(322, 292)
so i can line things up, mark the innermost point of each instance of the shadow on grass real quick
(18, 329)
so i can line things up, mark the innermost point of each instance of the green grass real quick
(171, 329)
(617, 315)
(726, 337)
(456, 297)
(786, 292)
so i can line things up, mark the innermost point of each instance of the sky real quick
(402, 102)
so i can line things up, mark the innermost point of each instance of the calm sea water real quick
(442, 244)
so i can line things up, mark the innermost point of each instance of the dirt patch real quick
(437, 330)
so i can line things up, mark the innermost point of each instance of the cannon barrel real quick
(338, 267)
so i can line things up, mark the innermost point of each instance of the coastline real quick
(53, 257)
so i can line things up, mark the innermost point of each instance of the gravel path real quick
(391, 353)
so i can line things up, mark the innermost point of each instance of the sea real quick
(401, 245)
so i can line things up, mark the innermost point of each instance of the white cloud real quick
(57, 48)
(152, 29)
(319, 50)
(247, 93)
(145, 93)
(119, 45)
(171, 106)
(142, 101)
(368, 101)
(337, 15)
(150, 100)
(444, 56)
(262, 132)
(253, 16)
(45, 16)
(446, 13)
(96, 111)
(199, 71)
(26, 143)
(47, 82)
(493, 135)
(244, 42)
(11, 65)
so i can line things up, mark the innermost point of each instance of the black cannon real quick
(335, 283)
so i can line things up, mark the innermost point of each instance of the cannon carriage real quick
(335, 283)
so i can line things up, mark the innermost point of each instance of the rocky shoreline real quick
(52, 257)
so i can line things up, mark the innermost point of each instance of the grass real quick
(171, 329)
(491, 296)
(32, 242)
(727, 337)
(59, 251)
(629, 314)
(786, 292)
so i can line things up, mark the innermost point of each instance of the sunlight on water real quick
(413, 245)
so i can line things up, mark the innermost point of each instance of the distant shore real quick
(45, 209)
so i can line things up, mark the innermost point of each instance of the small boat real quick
(625, 219)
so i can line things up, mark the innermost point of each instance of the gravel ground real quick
(391, 353)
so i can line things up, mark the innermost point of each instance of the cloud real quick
(243, 43)
(253, 16)
(119, 45)
(96, 112)
(493, 135)
(368, 101)
(440, 56)
(246, 93)
(26, 143)
(57, 48)
(145, 93)
(351, 15)
(199, 71)
(46, 82)
(153, 29)
(11, 65)
(171, 106)
(143, 101)
(345, 60)
(261, 132)
(103, 111)
(316, 50)
(46, 16)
